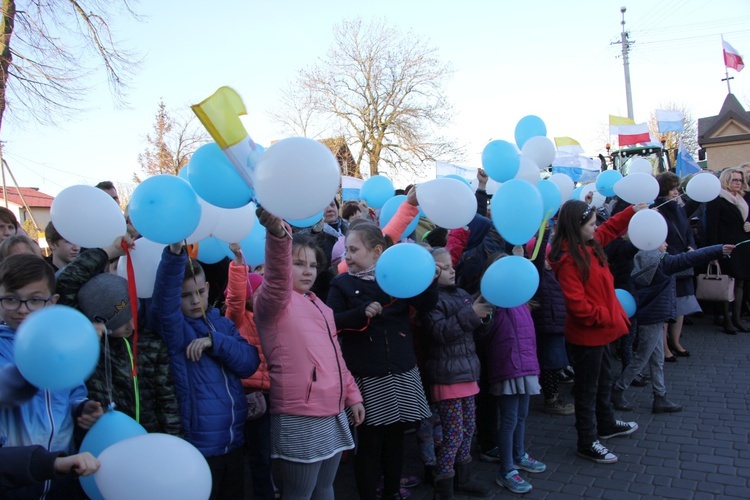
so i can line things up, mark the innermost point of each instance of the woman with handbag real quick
(727, 222)
(679, 239)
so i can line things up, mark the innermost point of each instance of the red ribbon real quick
(133, 304)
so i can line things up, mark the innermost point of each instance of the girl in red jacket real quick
(595, 320)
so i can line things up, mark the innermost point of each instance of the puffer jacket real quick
(451, 353)
(156, 398)
(298, 333)
(213, 407)
(511, 345)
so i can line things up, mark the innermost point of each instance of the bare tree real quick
(49, 50)
(173, 140)
(382, 90)
(689, 136)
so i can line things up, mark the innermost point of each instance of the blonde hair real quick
(726, 177)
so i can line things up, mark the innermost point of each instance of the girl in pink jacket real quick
(310, 384)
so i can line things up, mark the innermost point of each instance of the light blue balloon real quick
(551, 197)
(212, 250)
(405, 270)
(389, 210)
(528, 127)
(605, 182)
(254, 245)
(310, 221)
(165, 209)
(56, 348)
(215, 179)
(510, 282)
(517, 211)
(501, 160)
(377, 190)
(111, 428)
(458, 178)
(626, 301)
(576, 194)
(183, 174)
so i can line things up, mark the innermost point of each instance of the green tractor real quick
(622, 158)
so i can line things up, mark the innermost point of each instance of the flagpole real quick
(726, 68)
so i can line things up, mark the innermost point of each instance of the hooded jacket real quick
(511, 345)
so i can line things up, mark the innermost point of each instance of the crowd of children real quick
(314, 358)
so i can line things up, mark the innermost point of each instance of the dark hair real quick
(573, 215)
(105, 185)
(8, 216)
(21, 269)
(302, 240)
(8, 243)
(667, 182)
(438, 237)
(193, 270)
(51, 234)
(350, 209)
(371, 234)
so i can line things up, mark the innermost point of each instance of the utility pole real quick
(626, 62)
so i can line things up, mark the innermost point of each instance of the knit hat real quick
(105, 298)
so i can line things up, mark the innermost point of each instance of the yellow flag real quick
(616, 121)
(220, 113)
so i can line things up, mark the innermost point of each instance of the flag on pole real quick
(568, 145)
(628, 135)
(350, 188)
(616, 121)
(732, 58)
(686, 165)
(669, 120)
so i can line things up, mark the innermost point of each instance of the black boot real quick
(467, 486)
(619, 401)
(663, 405)
(443, 488)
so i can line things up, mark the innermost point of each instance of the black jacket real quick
(724, 227)
(383, 344)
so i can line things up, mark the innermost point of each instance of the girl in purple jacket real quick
(514, 378)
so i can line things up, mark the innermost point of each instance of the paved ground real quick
(702, 452)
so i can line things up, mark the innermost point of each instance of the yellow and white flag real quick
(615, 122)
(568, 145)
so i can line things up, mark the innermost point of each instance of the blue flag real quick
(686, 165)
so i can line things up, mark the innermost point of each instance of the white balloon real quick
(210, 215)
(235, 223)
(637, 188)
(296, 178)
(540, 150)
(449, 203)
(528, 171)
(145, 255)
(647, 230)
(703, 187)
(87, 216)
(598, 200)
(153, 466)
(564, 183)
(640, 166)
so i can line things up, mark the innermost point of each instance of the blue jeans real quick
(512, 410)
(592, 389)
(650, 352)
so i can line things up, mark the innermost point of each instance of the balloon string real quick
(133, 294)
(542, 227)
(108, 370)
(671, 199)
(136, 391)
(740, 243)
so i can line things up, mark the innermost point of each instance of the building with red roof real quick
(39, 204)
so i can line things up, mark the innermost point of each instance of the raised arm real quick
(276, 292)
(166, 315)
(404, 215)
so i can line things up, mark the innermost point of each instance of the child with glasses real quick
(49, 418)
(209, 359)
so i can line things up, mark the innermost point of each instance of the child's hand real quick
(727, 249)
(373, 309)
(273, 224)
(640, 206)
(176, 248)
(83, 464)
(589, 198)
(411, 198)
(236, 249)
(358, 413)
(101, 328)
(746, 227)
(196, 347)
(482, 179)
(92, 410)
(482, 308)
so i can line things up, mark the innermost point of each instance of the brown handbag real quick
(714, 286)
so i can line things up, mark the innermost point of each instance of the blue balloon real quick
(183, 174)
(626, 301)
(56, 348)
(501, 160)
(165, 209)
(376, 191)
(458, 178)
(517, 211)
(605, 182)
(405, 270)
(215, 179)
(254, 245)
(528, 127)
(212, 250)
(510, 282)
(576, 194)
(551, 197)
(310, 221)
(111, 428)
(389, 210)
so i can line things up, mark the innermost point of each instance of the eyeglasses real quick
(736, 180)
(13, 303)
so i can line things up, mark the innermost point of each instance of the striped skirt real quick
(393, 398)
(309, 439)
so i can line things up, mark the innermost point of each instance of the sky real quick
(552, 59)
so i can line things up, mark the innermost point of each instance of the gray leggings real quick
(306, 481)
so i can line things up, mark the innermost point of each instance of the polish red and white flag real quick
(732, 58)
